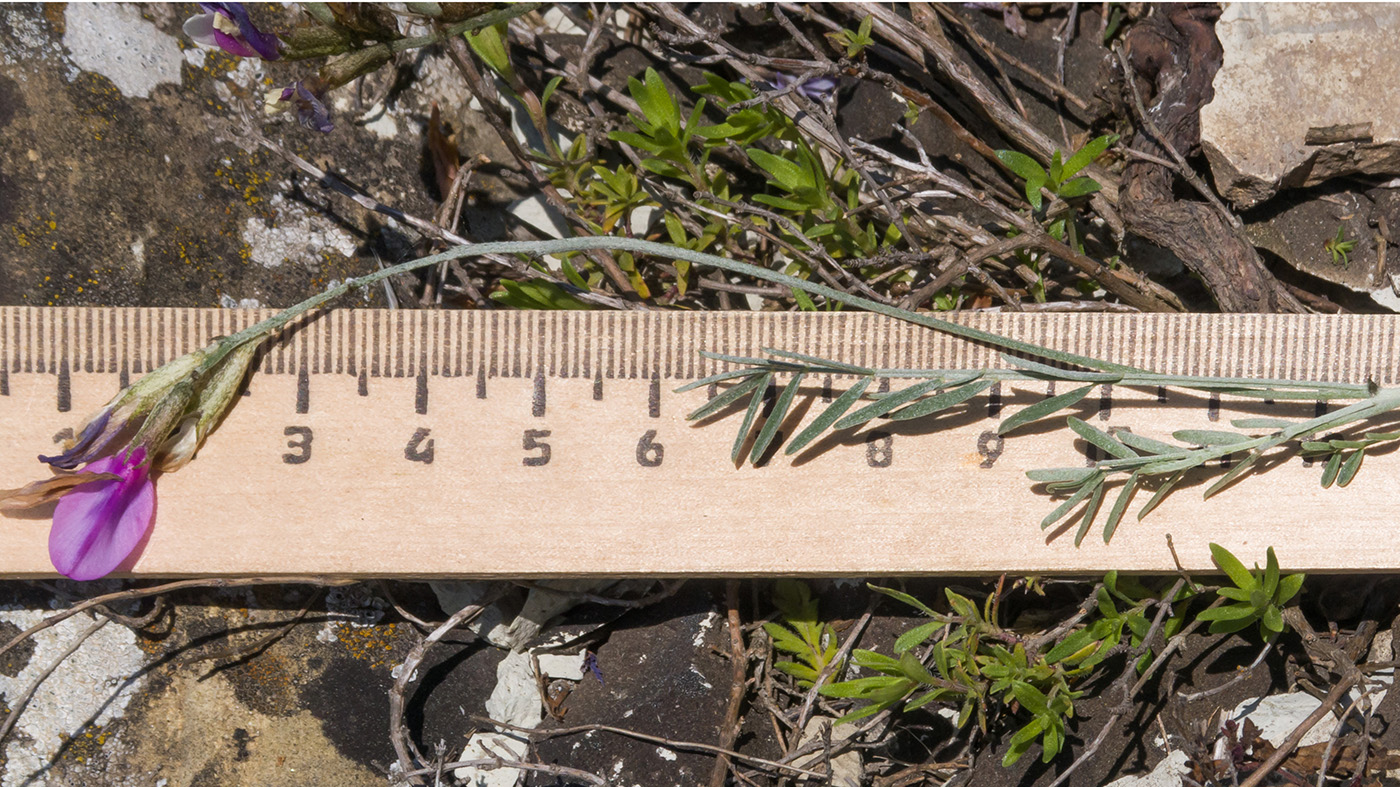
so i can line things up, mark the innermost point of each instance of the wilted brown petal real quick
(48, 490)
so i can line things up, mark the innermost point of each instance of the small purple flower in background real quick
(819, 89)
(590, 662)
(312, 112)
(227, 27)
(97, 525)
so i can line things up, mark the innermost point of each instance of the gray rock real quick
(1292, 68)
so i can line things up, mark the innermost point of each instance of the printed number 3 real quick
(302, 445)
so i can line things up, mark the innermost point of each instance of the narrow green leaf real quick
(1054, 373)
(916, 636)
(1270, 574)
(1033, 187)
(717, 378)
(887, 403)
(785, 173)
(1288, 587)
(1103, 440)
(1232, 567)
(658, 105)
(755, 402)
(726, 398)
(804, 301)
(1161, 494)
(1115, 514)
(548, 92)
(1146, 445)
(775, 418)
(1044, 408)
(1064, 508)
(824, 363)
(942, 401)
(1086, 155)
(1021, 164)
(1090, 511)
(1350, 466)
(1210, 437)
(1078, 187)
(1235, 472)
(828, 416)
(1061, 475)
(1031, 698)
(1329, 473)
(1262, 423)
(899, 595)
(1228, 612)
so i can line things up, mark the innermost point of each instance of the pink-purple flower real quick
(228, 27)
(105, 509)
(98, 525)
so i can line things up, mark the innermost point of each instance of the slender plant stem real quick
(636, 246)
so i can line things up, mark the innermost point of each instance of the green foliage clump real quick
(802, 634)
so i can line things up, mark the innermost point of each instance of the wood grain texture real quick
(379, 393)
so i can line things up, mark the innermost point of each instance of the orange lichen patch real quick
(380, 646)
(274, 674)
(87, 744)
(246, 176)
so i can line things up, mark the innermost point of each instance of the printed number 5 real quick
(530, 442)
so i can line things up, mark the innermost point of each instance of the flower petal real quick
(265, 44)
(48, 490)
(200, 29)
(232, 45)
(96, 526)
(311, 112)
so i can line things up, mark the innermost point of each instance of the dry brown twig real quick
(739, 671)
(692, 746)
(169, 587)
(407, 672)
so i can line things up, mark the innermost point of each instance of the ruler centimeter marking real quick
(642, 345)
(507, 443)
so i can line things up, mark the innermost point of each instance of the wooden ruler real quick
(534, 444)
